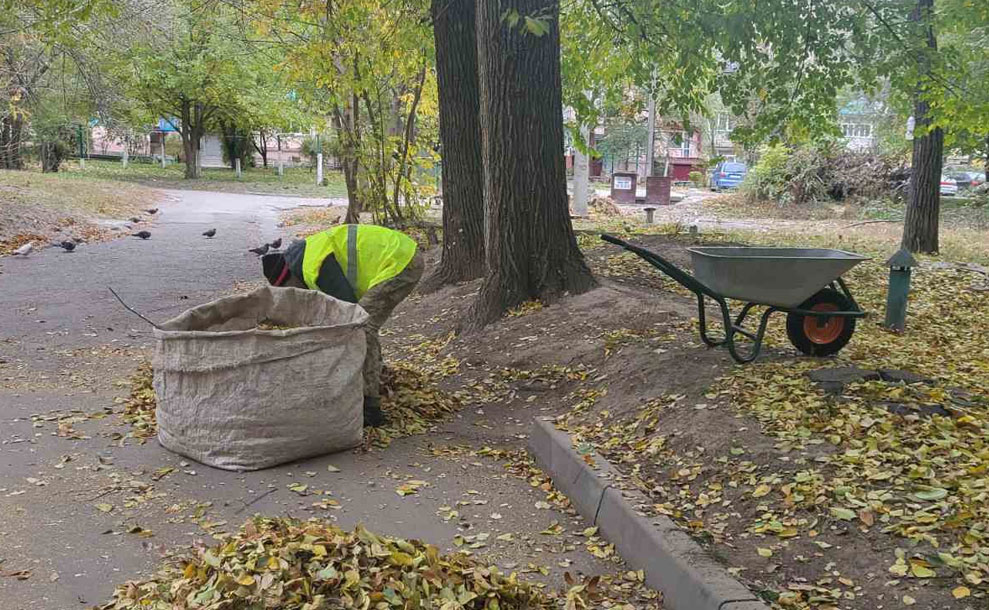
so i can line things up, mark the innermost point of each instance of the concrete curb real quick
(673, 563)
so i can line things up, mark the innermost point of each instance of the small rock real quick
(898, 408)
(833, 380)
(895, 375)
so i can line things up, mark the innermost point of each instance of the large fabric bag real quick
(237, 397)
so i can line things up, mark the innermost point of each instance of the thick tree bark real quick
(531, 249)
(920, 225)
(460, 143)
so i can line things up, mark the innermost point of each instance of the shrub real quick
(818, 172)
(697, 178)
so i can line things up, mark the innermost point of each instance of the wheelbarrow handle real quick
(682, 277)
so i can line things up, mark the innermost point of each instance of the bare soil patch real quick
(49, 208)
(758, 462)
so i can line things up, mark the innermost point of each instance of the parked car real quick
(728, 175)
(948, 186)
(968, 180)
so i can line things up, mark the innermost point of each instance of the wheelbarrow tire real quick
(814, 339)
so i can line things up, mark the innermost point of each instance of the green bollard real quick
(899, 289)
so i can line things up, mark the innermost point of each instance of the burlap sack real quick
(239, 398)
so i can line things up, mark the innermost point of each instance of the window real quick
(724, 122)
(684, 143)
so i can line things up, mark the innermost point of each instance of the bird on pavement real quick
(260, 250)
(143, 234)
(210, 233)
(276, 244)
(135, 219)
(152, 211)
(25, 249)
(68, 246)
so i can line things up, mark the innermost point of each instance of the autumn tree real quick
(531, 250)
(191, 72)
(460, 141)
(365, 68)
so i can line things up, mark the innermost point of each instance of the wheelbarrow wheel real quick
(816, 336)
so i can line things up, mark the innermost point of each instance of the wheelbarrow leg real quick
(756, 338)
(702, 320)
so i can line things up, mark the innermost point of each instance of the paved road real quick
(65, 344)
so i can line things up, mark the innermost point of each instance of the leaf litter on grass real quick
(905, 462)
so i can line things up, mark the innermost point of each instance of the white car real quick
(948, 186)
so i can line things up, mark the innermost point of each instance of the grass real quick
(59, 193)
(295, 181)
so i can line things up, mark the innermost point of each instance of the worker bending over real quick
(372, 266)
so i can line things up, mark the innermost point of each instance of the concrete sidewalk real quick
(82, 508)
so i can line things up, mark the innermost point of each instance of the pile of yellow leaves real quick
(313, 565)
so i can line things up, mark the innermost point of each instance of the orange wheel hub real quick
(820, 330)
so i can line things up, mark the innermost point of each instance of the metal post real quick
(281, 163)
(126, 147)
(319, 161)
(82, 153)
(237, 167)
(896, 299)
(162, 145)
(899, 289)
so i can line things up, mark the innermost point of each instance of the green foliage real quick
(697, 178)
(373, 78)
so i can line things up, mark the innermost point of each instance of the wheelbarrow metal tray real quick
(784, 277)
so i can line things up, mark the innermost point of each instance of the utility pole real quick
(582, 169)
(651, 137)
(581, 173)
(126, 147)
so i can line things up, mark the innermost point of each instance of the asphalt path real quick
(81, 509)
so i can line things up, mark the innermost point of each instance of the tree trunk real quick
(189, 142)
(920, 225)
(263, 148)
(460, 143)
(10, 141)
(530, 245)
(349, 120)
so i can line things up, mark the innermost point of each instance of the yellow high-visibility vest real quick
(367, 254)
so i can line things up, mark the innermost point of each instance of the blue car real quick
(728, 175)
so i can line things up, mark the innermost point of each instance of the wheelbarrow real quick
(803, 282)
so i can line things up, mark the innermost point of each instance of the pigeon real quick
(210, 233)
(135, 219)
(143, 234)
(152, 211)
(260, 250)
(68, 246)
(276, 244)
(25, 249)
